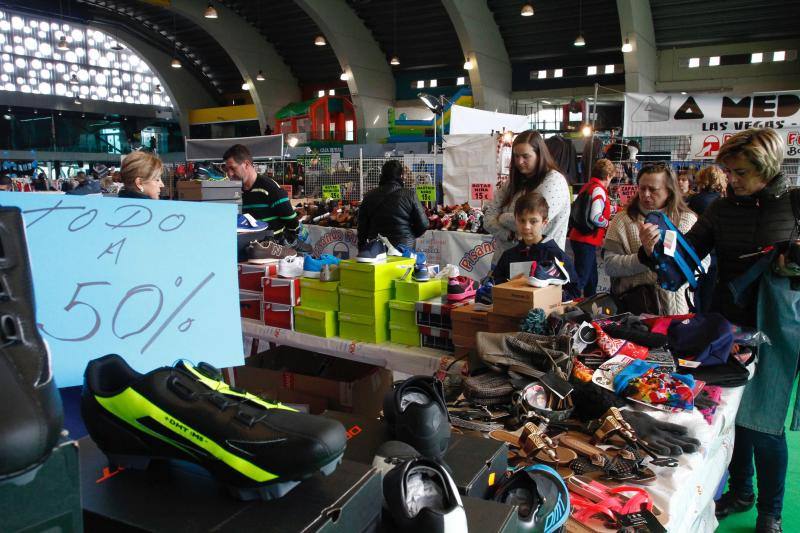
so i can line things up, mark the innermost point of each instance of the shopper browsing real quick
(262, 197)
(584, 245)
(141, 176)
(530, 221)
(533, 169)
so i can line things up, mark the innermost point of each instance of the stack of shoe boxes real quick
(467, 321)
(403, 328)
(318, 315)
(281, 295)
(514, 299)
(251, 297)
(364, 293)
(435, 322)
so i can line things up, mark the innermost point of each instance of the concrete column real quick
(641, 65)
(250, 52)
(180, 85)
(481, 42)
(370, 79)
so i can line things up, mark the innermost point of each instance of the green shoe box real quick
(408, 335)
(415, 291)
(403, 314)
(318, 294)
(319, 322)
(373, 276)
(361, 302)
(365, 328)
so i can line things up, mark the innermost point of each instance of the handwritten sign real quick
(331, 192)
(153, 281)
(626, 193)
(426, 193)
(482, 191)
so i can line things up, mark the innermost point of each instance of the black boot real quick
(30, 406)
(730, 503)
(768, 524)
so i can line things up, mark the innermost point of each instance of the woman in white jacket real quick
(532, 169)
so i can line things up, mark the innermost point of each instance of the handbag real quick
(641, 299)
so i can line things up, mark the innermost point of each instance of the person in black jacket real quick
(391, 210)
(711, 183)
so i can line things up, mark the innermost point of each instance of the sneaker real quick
(483, 296)
(730, 503)
(208, 172)
(312, 268)
(330, 272)
(266, 251)
(544, 273)
(247, 224)
(540, 495)
(405, 251)
(460, 288)
(168, 413)
(373, 251)
(421, 496)
(290, 267)
(421, 269)
(390, 249)
(416, 413)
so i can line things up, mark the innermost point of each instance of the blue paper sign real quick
(153, 281)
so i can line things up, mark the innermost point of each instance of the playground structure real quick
(327, 118)
(404, 130)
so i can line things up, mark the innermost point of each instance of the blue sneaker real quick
(312, 268)
(421, 269)
(405, 251)
(373, 251)
(483, 297)
(544, 273)
(208, 172)
(248, 224)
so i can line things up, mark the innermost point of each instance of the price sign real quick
(482, 191)
(126, 276)
(426, 193)
(288, 189)
(626, 193)
(331, 192)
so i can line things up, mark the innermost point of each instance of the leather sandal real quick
(534, 444)
(612, 424)
(612, 465)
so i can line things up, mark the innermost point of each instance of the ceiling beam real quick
(641, 65)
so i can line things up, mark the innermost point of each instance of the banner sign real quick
(707, 146)
(426, 193)
(331, 192)
(482, 191)
(653, 115)
(126, 276)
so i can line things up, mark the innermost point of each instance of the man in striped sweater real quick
(262, 197)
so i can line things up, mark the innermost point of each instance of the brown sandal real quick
(612, 424)
(532, 443)
(608, 465)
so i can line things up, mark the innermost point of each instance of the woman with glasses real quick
(631, 280)
(753, 231)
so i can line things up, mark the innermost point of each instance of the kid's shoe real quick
(256, 451)
(483, 296)
(544, 273)
(291, 267)
(460, 288)
(373, 251)
(247, 224)
(312, 268)
(421, 269)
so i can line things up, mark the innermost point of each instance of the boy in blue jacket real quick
(551, 266)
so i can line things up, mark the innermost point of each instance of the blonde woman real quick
(141, 176)
(711, 184)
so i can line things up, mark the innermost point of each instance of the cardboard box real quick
(205, 190)
(278, 315)
(435, 312)
(407, 335)
(281, 290)
(319, 322)
(364, 328)
(466, 323)
(436, 338)
(373, 276)
(515, 298)
(358, 302)
(415, 291)
(402, 314)
(250, 275)
(338, 384)
(320, 294)
(503, 324)
(181, 496)
(250, 304)
(48, 499)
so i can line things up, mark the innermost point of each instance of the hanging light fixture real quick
(579, 40)
(320, 41)
(468, 64)
(245, 86)
(210, 12)
(627, 46)
(62, 43)
(344, 76)
(175, 63)
(395, 60)
(260, 76)
(527, 10)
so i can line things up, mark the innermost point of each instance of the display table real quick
(397, 357)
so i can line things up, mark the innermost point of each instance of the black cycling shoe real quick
(769, 524)
(422, 496)
(31, 414)
(256, 452)
(541, 497)
(416, 413)
(730, 503)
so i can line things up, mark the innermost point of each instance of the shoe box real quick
(515, 298)
(284, 291)
(250, 305)
(466, 323)
(209, 191)
(180, 496)
(436, 338)
(319, 322)
(435, 313)
(415, 291)
(322, 295)
(46, 498)
(318, 381)
(477, 463)
(501, 323)
(250, 275)
(403, 327)
(373, 276)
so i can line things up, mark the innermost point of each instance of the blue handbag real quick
(682, 267)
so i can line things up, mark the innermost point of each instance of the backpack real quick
(580, 211)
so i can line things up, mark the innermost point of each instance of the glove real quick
(663, 437)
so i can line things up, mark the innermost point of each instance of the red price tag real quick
(482, 191)
(288, 189)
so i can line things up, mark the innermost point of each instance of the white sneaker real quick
(390, 249)
(291, 267)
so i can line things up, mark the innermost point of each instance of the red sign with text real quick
(482, 191)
